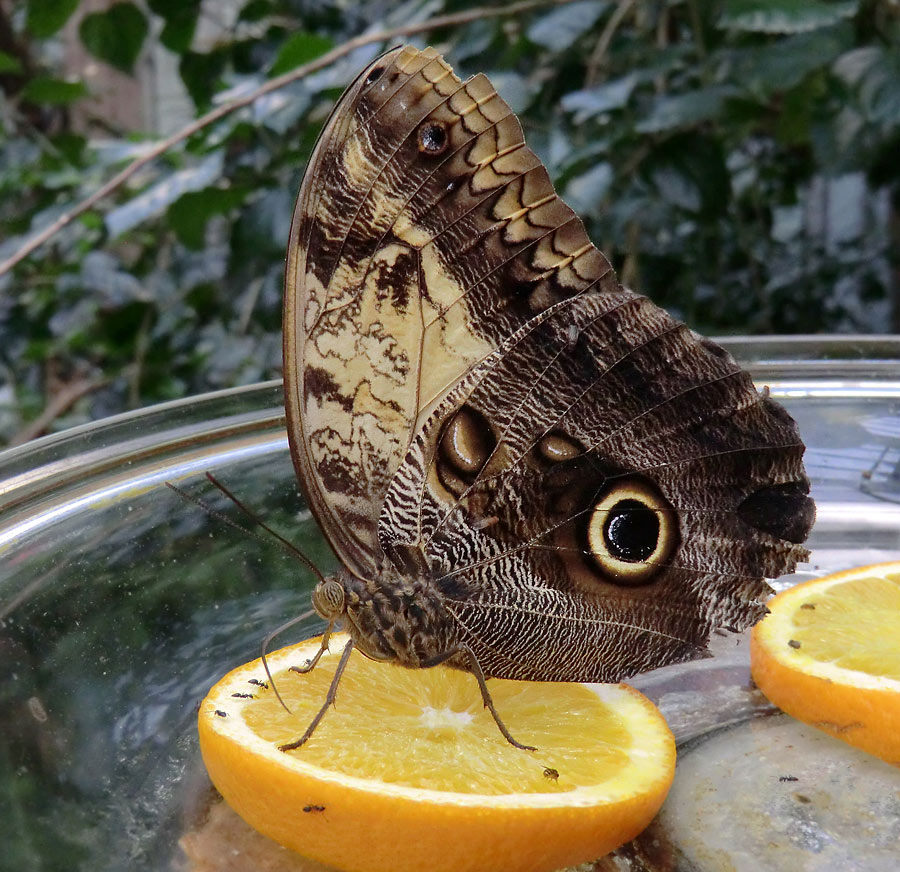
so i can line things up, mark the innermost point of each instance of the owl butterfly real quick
(527, 470)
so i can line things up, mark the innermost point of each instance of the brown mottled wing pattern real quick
(591, 487)
(598, 390)
(424, 235)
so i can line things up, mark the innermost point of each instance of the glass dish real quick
(120, 604)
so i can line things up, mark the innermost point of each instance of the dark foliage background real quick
(739, 161)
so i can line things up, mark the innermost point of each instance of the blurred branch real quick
(697, 27)
(598, 55)
(58, 405)
(224, 109)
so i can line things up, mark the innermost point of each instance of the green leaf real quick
(178, 34)
(256, 10)
(200, 73)
(301, 48)
(189, 214)
(181, 22)
(585, 193)
(682, 110)
(794, 118)
(689, 172)
(53, 92)
(46, 17)
(874, 72)
(92, 220)
(71, 146)
(9, 64)
(784, 16)
(610, 95)
(115, 36)
(559, 29)
(780, 65)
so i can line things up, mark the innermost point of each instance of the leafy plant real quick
(735, 159)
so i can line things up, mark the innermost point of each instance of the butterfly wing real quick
(613, 477)
(469, 388)
(425, 233)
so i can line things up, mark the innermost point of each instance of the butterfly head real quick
(329, 600)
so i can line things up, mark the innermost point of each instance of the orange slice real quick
(409, 772)
(829, 654)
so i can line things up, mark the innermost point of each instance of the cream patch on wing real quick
(404, 228)
(315, 295)
(371, 349)
(450, 345)
(356, 161)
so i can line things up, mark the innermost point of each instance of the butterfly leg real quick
(277, 631)
(311, 664)
(475, 668)
(329, 700)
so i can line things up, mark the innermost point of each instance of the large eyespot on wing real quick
(626, 489)
(631, 531)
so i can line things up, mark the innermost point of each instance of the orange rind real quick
(408, 771)
(829, 655)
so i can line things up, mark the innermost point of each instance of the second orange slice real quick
(829, 654)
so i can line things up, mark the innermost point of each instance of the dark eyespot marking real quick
(374, 75)
(433, 139)
(784, 510)
(556, 447)
(464, 448)
(631, 532)
(467, 441)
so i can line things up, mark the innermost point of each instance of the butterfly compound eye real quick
(328, 599)
(433, 139)
(631, 532)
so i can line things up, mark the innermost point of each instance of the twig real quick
(599, 53)
(59, 405)
(272, 85)
(697, 27)
(141, 346)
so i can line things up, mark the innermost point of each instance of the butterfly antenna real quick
(291, 548)
(287, 546)
(265, 650)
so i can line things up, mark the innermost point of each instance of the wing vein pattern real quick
(587, 485)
